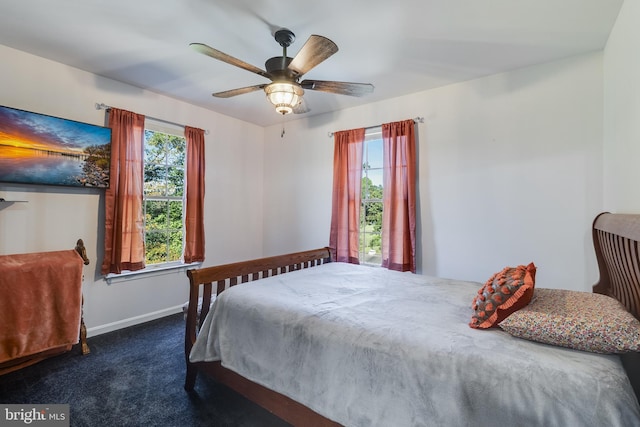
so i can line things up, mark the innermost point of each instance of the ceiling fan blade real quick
(315, 50)
(341, 88)
(221, 56)
(239, 91)
(301, 108)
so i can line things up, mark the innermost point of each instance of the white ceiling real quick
(400, 46)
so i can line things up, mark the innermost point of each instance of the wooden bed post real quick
(84, 347)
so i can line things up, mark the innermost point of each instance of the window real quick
(371, 199)
(163, 198)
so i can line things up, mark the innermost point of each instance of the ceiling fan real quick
(285, 90)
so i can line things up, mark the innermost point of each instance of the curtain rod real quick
(415, 120)
(102, 106)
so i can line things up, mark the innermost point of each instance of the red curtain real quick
(345, 211)
(124, 222)
(399, 198)
(194, 221)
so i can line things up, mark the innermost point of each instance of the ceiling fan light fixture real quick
(284, 96)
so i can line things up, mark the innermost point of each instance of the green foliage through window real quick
(370, 243)
(164, 167)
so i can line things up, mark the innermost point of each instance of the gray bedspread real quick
(371, 347)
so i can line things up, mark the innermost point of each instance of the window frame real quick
(371, 134)
(168, 266)
(152, 126)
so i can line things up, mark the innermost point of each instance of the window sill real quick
(150, 271)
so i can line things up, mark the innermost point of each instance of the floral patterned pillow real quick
(578, 320)
(505, 292)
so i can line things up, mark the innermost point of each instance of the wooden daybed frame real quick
(616, 240)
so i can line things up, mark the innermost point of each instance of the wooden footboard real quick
(201, 283)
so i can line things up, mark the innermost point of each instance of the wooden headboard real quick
(616, 240)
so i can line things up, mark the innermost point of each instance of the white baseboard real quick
(120, 324)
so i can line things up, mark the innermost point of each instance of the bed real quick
(323, 343)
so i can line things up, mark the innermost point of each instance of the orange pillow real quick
(504, 293)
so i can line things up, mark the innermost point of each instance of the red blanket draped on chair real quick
(40, 302)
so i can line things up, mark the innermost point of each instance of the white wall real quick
(510, 171)
(622, 113)
(55, 217)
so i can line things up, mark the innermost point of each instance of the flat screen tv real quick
(40, 149)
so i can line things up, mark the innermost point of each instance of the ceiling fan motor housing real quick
(284, 37)
(277, 67)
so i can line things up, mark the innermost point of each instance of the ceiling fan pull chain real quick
(282, 132)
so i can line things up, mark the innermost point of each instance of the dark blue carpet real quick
(132, 377)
